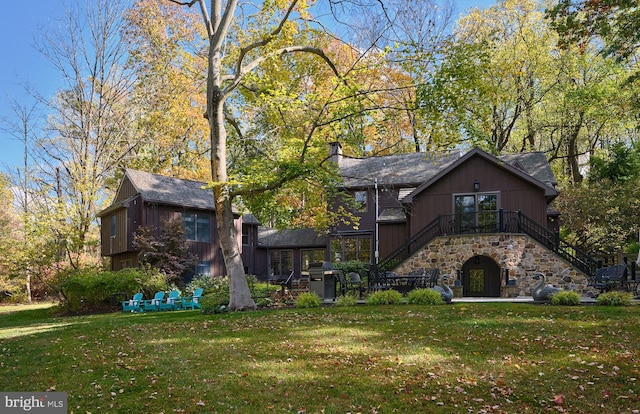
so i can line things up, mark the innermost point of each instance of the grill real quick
(322, 279)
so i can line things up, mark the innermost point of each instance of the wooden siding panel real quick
(126, 190)
(391, 235)
(514, 193)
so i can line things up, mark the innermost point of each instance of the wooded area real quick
(246, 98)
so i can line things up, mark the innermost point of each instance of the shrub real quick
(308, 300)
(347, 300)
(89, 289)
(424, 297)
(385, 297)
(214, 302)
(566, 298)
(361, 268)
(615, 299)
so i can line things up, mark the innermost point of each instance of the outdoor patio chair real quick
(192, 302)
(134, 304)
(172, 302)
(154, 304)
(354, 284)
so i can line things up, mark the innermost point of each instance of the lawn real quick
(472, 357)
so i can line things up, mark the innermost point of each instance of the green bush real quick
(89, 289)
(308, 300)
(615, 299)
(385, 297)
(566, 298)
(214, 302)
(424, 297)
(347, 300)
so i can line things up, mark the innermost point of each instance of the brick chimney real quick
(335, 152)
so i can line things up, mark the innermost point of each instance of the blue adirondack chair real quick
(192, 302)
(154, 304)
(172, 302)
(134, 304)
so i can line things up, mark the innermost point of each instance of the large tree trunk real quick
(240, 295)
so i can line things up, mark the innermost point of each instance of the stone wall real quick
(518, 253)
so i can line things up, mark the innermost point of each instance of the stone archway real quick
(481, 277)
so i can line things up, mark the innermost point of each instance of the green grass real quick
(482, 357)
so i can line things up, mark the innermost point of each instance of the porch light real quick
(476, 185)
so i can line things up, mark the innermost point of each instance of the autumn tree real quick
(243, 50)
(615, 22)
(167, 53)
(88, 126)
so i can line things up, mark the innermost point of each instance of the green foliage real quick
(566, 298)
(615, 299)
(308, 300)
(424, 297)
(214, 302)
(361, 268)
(603, 216)
(617, 22)
(622, 163)
(88, 289)
(385, 297)
(216, 293)
(347, 300)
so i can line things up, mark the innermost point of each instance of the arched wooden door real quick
(481, 277)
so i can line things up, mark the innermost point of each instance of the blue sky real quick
(20, 22)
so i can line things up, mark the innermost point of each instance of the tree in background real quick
(603, 214)
(616, 22)
(88, 131)
(167, 53)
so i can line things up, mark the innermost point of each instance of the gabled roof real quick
(407, 170)
(268, 237)
(533, 163)
(159, 189)
(537, 162)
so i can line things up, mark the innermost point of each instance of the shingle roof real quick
(533, 163)
(168, 190)
(414, 169)
(400, 169)
(268, 237)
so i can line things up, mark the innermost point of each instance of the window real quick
(203, 268)
(476, 211)
(245, 235)
(113, 226)
(197, 226)
(361, 201)
(351, 248)
(311, 256)
(280, 262)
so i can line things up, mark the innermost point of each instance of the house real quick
(145, 199)
(288, 252)
(486, 220)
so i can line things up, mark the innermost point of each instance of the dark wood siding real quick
(391, 235)
(117, 243)
(514, 193)
(126, 190)
(124, 260)
(387, 198)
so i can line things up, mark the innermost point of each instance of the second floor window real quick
(197, 226)
(361, 201)
(113, 228)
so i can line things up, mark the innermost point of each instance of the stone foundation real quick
(518, 253)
